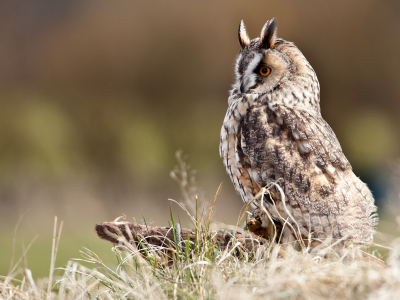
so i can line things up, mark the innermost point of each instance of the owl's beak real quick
(242, 87)
(246, 84)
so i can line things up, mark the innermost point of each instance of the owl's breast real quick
(268, 146)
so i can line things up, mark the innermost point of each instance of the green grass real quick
(38, 256)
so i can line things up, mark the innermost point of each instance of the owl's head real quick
(275, 68)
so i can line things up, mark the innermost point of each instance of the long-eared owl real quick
(273, 134)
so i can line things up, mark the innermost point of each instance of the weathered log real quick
(142, 236)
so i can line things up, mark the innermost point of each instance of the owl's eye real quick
(265, 71)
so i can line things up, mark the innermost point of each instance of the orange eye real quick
(265, 71)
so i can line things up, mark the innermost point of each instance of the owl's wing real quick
(314, 135)
(300, 152)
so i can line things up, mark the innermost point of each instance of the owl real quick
(278, 150)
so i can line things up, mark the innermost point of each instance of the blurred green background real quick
(96, 97)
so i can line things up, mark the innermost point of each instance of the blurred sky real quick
(96, 97)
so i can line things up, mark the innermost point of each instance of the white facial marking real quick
(249, 78)
(254, 63)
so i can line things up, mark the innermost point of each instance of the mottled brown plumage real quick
(273, 133)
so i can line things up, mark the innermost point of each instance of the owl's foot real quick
(254, 226)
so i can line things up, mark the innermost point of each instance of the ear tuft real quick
(244, 39)
(268, 34)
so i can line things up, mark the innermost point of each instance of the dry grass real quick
(207, 272)
(202, 270)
